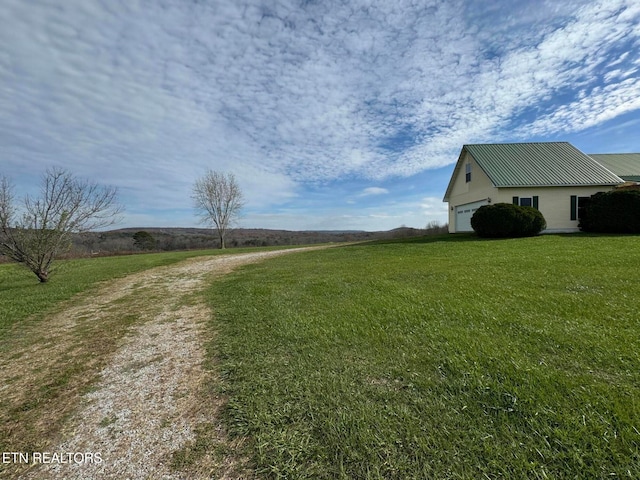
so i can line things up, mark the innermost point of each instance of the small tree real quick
(144, 240)
(41, 230)
(218, 199)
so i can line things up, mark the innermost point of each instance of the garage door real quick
(464, 214)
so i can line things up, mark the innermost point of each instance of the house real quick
(554, 177)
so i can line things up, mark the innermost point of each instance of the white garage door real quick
(464, 214)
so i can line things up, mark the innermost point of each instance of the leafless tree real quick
(218, 199)
(40, 231)
(435, 228)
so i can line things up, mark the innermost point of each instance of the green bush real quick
(503, 220)
(144, 240)
(617, 211)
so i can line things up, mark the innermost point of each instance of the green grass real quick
(436, 358)
(22, 296)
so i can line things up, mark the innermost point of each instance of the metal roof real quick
(548, 164)
(625, 165)
(539, 164)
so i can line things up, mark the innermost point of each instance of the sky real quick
(332, 114)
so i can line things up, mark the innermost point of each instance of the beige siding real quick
(463, 192)
(553, 202)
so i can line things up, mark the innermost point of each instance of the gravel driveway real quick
(149, 399)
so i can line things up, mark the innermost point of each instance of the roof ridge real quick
(516, 143)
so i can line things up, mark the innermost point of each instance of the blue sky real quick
(332, 114)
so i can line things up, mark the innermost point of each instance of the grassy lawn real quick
(23, 297)
(449, 358)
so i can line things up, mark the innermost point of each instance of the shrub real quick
(144, 240)
(617, 211)
(507, 220)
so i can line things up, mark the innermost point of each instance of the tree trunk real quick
(43, 276)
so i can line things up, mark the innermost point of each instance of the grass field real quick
(436, 358)
(22, 296)
(446, 357)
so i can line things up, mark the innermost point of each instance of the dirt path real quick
(148, 400)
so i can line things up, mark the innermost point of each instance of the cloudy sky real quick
(332, 114)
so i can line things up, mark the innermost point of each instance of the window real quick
(578, 204)
(582, 204)
(467, 172)
(526, 201)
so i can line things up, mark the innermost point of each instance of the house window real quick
(578, 204)
(582, 204)
(526, 201)
(467, 172)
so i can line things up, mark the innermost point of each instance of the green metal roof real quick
(624, 165)
(549, 164)
(539, 164)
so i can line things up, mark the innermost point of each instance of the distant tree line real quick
(172, 239)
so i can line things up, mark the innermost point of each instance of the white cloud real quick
(434, 207)
(373, 191)
(287, 95)
(601, 105)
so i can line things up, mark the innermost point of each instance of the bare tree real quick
(434, 228)
(218, 199)
(41, 230)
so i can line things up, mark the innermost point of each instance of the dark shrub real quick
(144, 240)
(507, 220)
(617, 211)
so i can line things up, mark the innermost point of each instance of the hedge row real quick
(617, 211)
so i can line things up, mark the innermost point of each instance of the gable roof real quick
(625, 165)
(549, 164)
